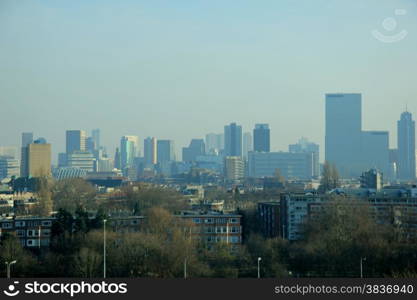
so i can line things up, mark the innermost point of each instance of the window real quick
(7, 225)
(234, 220)
(20, 233)
(47, 223)
(19, 224)
(197, 220)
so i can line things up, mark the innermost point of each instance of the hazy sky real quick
(181, 69)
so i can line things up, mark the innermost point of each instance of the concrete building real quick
(305, 146)
(233, 140)
(11, 151)
(372, 179)
(214, 142)
(27, 139)
(269, 218)
(37, 159)
(344, 133)
(295, 212)
(290, 165)
(165, 151)
(195, 149)
(9, 167)
(83, 160)
(75, 141)
(375, 151)
(247, 144)
(150, 151)
(261, 138)
(95, 134)
(214, 227)
(31, 231)
(234, 168)
(406, 147)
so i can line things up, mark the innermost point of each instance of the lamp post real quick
(104, 248)
(259, 267)
(8, 265)
(185, 268)
(361, 265)
(39, 237)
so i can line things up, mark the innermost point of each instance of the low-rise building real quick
(214, 227)
(269, 218)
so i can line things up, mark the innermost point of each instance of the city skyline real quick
(200, 71)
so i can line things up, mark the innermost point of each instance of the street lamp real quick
(259, 267)
(104, 248)
(362, 260)
(185, 268)
(8, 265)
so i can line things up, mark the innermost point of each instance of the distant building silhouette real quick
(233, 140)
(196, 148)
(76, 141)
(150, 151)
(344, 133)
(261, 138)
(406, 147)
(305, 146)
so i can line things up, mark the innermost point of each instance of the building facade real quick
(75, 141)
(406, 147)
(344, 133)
(290, 165)
(233, 140)
(261, 138)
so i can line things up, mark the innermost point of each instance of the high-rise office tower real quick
(305, 146)
(95, 134)
(233, 140)
(27, 138)
(117, 160)
(76, 141)
(150, 151)
(406, 147)
(344, 133)
(214, 142)
(90, 145)
(261, 138)
(128, 150)
(375, 151)
(196, 148)
(37, 159)
(165, 151)
(247, 144)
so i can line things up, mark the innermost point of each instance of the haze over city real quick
(180, 71)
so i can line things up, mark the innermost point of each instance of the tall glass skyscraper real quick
(233, 140)
(128, 150)
(406, 147)
(261, 138)
(344, 132)
(76, 141)
(165, 151)
(150, 151)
